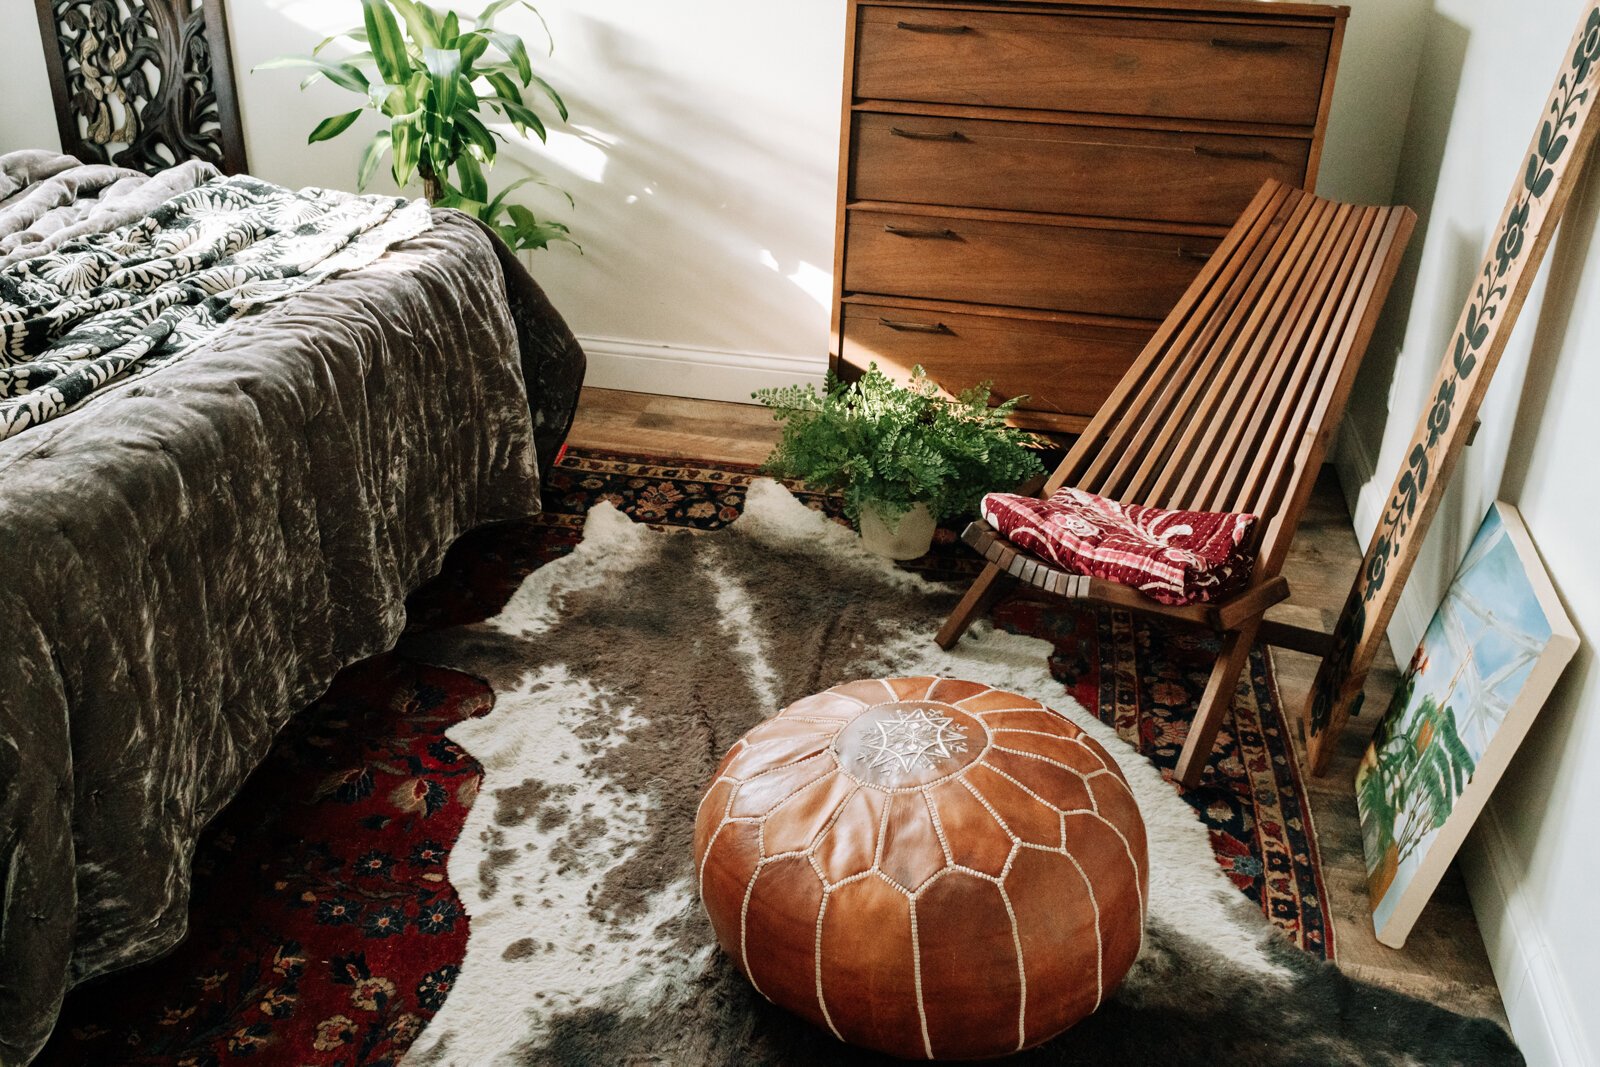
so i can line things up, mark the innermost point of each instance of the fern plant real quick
(432, 83)
(888, 446)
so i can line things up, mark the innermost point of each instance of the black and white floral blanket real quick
(109, 306)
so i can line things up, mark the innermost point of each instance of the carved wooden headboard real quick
(143, 84)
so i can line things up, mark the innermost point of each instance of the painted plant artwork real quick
(1486, 663)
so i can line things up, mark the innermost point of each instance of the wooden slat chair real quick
(1230, 407)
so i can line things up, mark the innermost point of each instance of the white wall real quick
(1366, 128)
(1485, 71)
(27, 119)
(702, 154)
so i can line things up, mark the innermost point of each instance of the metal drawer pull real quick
(920, 135)
(1246, 44)
(915, 327)
(911, 231)
(1192, 253)
(924, 27)
(1223, 153)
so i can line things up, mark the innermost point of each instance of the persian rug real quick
(621, 674)
(327, 925)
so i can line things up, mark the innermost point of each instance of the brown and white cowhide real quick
(622, 673)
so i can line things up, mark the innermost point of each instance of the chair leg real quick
(981, 595)
(1215, 703)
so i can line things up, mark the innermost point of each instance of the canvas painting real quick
(1486, 663)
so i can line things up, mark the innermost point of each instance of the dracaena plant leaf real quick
(372, 156)
(334, 126)
(344, 75)
(430, 80)
(388, 43)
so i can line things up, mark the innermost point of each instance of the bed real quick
(192, 550)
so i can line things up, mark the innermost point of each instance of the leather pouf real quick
(926, 867)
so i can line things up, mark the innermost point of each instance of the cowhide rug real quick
(621, 674)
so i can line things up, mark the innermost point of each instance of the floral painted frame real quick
(1556, 157)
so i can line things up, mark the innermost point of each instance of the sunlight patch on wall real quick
(810, 279)
(574, 156)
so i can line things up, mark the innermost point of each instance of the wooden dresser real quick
(1026, 189)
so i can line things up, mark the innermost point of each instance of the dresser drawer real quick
(1117, 66)
(1066, 369)
(1060, 268)
(1077, 170)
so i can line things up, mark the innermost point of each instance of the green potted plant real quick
(904, 457)
(432, 81)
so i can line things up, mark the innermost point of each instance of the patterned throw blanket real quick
(108, 306)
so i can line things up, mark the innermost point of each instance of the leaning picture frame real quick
(1492, 652)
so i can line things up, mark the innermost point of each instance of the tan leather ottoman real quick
(924, 866)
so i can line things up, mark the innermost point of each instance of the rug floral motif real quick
(323, 928)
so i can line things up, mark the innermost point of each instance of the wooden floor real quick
(1444, 958)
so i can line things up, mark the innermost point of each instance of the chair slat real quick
(1261, 413)
(1330, 400)
(1206, 430)
(1251, 485)
(1147, 426)
(1185, 318)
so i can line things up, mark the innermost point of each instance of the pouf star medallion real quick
(927, 867)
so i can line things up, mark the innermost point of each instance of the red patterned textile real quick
(1175, 557)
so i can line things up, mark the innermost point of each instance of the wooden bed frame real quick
(143, 84)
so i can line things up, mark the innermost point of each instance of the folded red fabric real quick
(1175, 557)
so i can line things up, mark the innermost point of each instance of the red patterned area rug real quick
(323, 928)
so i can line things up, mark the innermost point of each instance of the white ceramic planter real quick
(907, 539)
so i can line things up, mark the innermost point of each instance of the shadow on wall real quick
(1568, 255)
(1443, 57)
(704, 222)
(1527, 788)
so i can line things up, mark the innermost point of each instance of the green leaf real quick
(495, 204)
(890, 445)
(485, 17)
(472, 207)
(388, 46)
(333, 127)
(372, 157)
(536, 235)
(357, 34)
(504, 87)
(550, 50)
(515, 51)
(407, 146)
(444, 64)
(421, 21)
(472, 184)
(473, 46)
(407, 98)
(555, 97)
(521, 116)
(343, 75)
(477, 134)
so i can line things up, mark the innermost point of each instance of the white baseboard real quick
(1537, 1006)
(1355, 466)
(701, 373)
(1536, 999)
